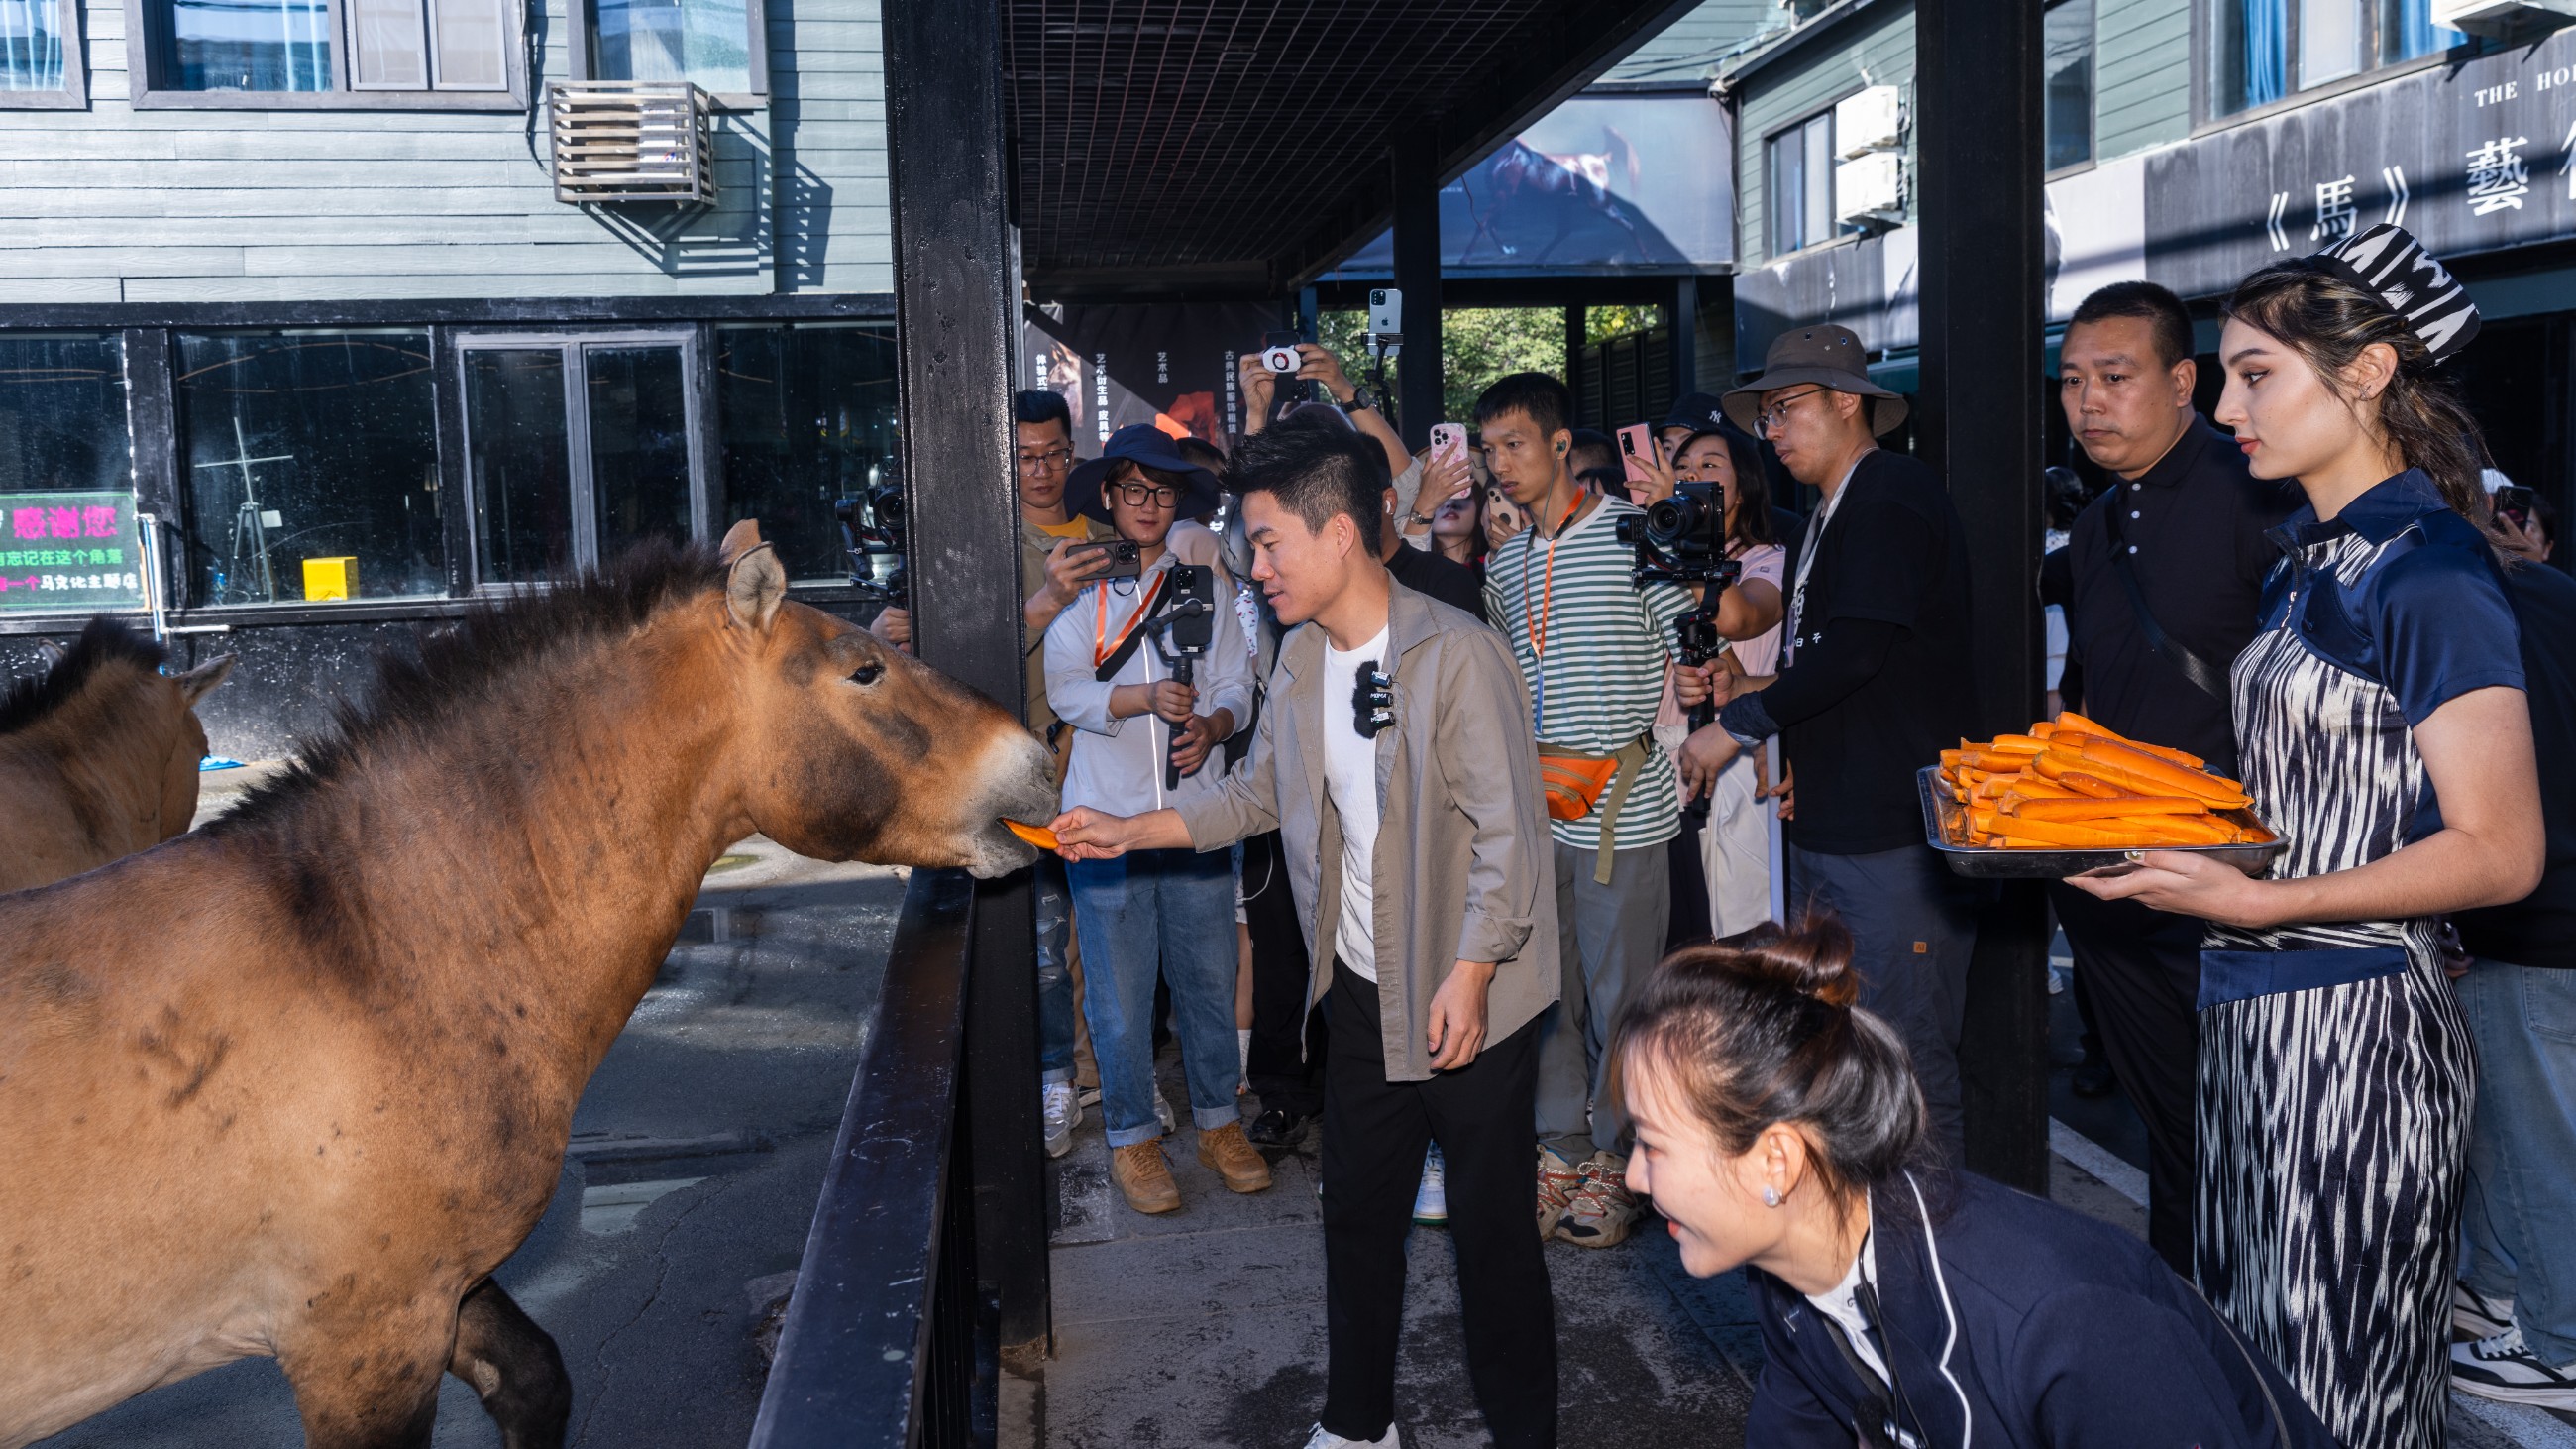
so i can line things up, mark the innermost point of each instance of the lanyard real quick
(1807, 560)
(1102, 646)
(1535, 625)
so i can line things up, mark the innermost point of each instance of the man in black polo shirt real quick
(2185, 526)
(1873, 683)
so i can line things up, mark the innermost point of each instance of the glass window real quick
(249, 45)
(808, 418)
(419, 45)
(2406, 30)
(2263, 50)
(639, 445)
(2329, 40)
(62, 413)
(285, 45)
(518, 449)
(32, 41)
(1802, 184)
(705, 41)
(576, 450)
(2068, 49)
(311, 466)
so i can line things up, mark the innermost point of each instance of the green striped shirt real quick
(1603, 675)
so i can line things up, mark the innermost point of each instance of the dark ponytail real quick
(1764, 1031)
(2328, 318)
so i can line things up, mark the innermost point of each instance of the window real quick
(406, 54)
(40, 54)
(1801, 196)
(808, 419)
(2263, 50)
(62, 413)
(2068, 52)
(715, 44)
(311, 466)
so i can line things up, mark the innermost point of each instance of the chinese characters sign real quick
(69, 551)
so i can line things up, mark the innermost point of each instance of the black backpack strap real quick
(2207, 677)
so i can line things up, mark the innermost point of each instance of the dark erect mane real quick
(103, 641)
(479, 664)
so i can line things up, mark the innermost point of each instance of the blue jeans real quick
(1055, 982)
(2521, 1211)
(1178, 904)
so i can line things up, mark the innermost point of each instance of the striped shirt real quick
(1607, 642)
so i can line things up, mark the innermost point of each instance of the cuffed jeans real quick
(1608, 938)
(2521, 1210)
(1178, 905)
(1055, 979)
(1913, 925)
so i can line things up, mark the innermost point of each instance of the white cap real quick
(2494, 479)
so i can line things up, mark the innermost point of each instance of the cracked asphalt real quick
(698, 1151)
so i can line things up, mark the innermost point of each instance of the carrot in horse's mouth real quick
(1037, 835)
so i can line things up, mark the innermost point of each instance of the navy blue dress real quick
(2336, 1075)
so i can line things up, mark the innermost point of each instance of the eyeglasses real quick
(1046, 462)
(1137, 495)
(1778, 413)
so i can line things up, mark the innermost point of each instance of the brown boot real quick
(1140, 1172)
(1231, 1156)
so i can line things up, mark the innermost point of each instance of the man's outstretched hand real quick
(1083, 833)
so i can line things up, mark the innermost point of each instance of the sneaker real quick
(2477, 1315)
(1141, 1173)
(1558, 1177)
(1224, 1152)
(1243, 1060)
(1431, 1202)
(1323, 1438)
(2504, 1367)
(1062, 1114)
(1279, 1127)
(1603, 1210)
(1163, 1112)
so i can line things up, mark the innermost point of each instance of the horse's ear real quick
(197, 683)
(740, 539)
(756, 585)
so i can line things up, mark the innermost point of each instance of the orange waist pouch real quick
(1574, 782)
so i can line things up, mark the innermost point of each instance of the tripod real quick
(250, 521)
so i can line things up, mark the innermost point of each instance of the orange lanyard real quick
(1102, 646)
(1535, 624)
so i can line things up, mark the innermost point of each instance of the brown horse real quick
(98, 756)
(295, 1083)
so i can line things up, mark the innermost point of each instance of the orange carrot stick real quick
(2093, 787)
(2093, 809)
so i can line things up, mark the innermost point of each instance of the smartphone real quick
(1123, 554)
(2514, 503)
(1636, 440)
(1386, 311)
(1448, 440)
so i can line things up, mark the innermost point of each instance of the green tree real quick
(1478, 345)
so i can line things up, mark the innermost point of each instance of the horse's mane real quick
(103, 641)
(480, 663)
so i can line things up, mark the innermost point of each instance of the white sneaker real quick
(1431, 1202)
(1323, 1439)
(2504, 1367)
(1163, 1112)
(1062, 1114)
(2477, 1315)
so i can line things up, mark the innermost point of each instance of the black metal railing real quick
(888, 1341)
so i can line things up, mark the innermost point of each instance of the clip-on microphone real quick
(1372, 701)
(1183, 629)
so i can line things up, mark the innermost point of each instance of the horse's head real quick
(179, 774)
(861, 752)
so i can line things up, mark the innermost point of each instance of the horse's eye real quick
(868, 673)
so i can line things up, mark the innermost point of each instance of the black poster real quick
(1169, 365)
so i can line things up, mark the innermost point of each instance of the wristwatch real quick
(1360, 401)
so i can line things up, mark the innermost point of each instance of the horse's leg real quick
(367, 1384)
(513, 1367)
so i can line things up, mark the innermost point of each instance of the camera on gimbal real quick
(1682, 540)
(873, 527)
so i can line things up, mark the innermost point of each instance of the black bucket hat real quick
(1150, 446)
(1827, 355)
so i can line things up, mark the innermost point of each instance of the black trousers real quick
(1287, 1063)
(2141, 972)
(1375, 1133)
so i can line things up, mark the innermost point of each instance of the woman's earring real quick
(1770, 1197)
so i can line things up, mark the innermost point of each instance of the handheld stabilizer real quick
(1682, 540)
(872, 527)
(1372, 701)
(1183, 629)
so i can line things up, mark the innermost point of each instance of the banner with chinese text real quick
(71, 552)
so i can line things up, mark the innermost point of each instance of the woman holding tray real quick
(2386, 738)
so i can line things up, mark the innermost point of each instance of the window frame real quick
(2207, 118)
(579, 65)
(74, 93)
(1835, 230)
(145, 43)
(2092, 90)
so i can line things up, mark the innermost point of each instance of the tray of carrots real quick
(2071, 796)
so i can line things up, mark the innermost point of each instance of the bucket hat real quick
(1151, 446)
(1828, 355)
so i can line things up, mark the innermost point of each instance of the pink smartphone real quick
(1634, 440)
(1448, 440)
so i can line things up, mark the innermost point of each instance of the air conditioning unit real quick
(1870, 188)
(630, 141)
(2498, 17)
(1873, 120)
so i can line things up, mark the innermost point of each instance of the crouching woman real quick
(1780, 1128)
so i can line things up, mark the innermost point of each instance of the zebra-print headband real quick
(2392, 265)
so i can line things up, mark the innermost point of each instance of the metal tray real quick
(1945, 829)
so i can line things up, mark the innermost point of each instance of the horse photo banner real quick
(1172, 365)
(69, 552)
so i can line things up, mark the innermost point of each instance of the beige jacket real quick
(1464, 870)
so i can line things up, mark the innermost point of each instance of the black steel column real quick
(1415, 158)
(1977, 133)
(957, 288)
(1685, 330)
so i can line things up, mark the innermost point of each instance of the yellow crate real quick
(330, 578)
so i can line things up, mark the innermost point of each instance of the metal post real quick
(1685, 330)
(956, 279)
(1415, 159)
(1977, 129)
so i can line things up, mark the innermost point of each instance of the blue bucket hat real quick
(1145, 444)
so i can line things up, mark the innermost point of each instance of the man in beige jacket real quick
(1394, 759)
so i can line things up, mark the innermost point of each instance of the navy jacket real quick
(2024, 1325)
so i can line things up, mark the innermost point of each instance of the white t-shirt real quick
(1843, 1304)
(1350, 777)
